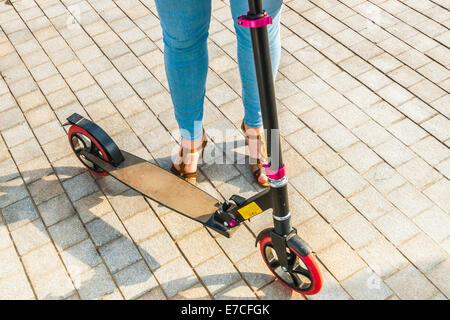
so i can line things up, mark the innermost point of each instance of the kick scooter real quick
(288, 257)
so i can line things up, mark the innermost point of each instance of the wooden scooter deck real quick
(161, 186)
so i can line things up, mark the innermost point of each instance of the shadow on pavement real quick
(98, 281)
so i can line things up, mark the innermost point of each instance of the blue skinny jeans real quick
(185, 25)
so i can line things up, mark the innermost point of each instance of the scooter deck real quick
(161, 186)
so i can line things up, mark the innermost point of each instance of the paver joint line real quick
(363, 101)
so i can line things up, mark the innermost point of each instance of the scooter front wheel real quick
(81, 140)
(302, 275)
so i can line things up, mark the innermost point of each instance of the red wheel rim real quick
(309, 261)
(75, 130)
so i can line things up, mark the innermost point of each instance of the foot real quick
(189, 159)
(257, 151)
(185, 165)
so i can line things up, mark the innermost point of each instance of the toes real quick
(263, 180)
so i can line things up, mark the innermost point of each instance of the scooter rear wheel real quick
(80, 140)
(303, 274)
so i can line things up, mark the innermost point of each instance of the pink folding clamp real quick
(244, 21)
(275, 175)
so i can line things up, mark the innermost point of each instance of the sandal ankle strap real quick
(260, 138)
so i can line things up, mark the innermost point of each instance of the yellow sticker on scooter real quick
(250, 210)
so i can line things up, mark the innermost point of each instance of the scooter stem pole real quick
(255, 6)
(266, 88)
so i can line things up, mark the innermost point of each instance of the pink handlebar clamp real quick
(243, 21)
(275, 175)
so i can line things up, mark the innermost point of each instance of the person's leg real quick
(185, 27)
(250, 94)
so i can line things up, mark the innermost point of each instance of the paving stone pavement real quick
(363, 93)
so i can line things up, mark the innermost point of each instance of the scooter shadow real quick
(89, 288)
(223, 289)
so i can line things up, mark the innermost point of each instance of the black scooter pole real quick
(266, 88)
(264, 75)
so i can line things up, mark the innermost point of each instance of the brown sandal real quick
(256, 168)
(190, 177)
